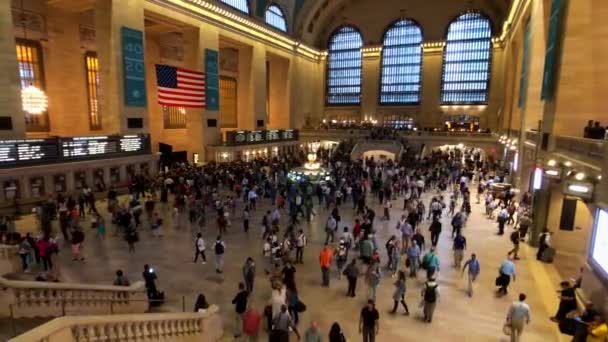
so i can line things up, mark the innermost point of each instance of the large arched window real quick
(344, 67)
(241, 5)
(400, 75)
(276, 18)
(467, 60)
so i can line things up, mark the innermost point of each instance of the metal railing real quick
(587, 147)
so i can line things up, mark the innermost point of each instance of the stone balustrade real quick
(9, 260)
(170, 327)
(49, 299)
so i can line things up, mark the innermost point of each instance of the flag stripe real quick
(179, 97)
(180, 87)
(181, 91)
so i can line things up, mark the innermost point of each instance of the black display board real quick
(25, 152)
(235, 138)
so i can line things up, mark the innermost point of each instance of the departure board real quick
(27, 151)
(260, 137)
(24, 152)
(102, 146)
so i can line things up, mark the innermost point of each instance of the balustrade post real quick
(13, 326)
(183, 303)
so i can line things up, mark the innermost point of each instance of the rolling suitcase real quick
(548, 255)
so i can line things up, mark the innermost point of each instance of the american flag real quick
(179, 87)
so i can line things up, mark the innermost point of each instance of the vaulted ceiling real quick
(317, 19)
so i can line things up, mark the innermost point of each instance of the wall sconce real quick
(552, 162)
(579, 176)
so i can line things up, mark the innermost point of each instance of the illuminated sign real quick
(538, 178)
(234, 138)
(15, 153)
(579, 189)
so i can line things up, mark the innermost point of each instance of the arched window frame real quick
(354, 51)
(240, 5)
(406, 62)
(280, 21)
(482, 76)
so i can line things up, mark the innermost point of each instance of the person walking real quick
(352, 273)
(282, 324)
(249, 274)
(330, 229)
(335, 333)
(435, 230)
(474, 268)
(430, 263)
(517, 317)
(312, 334)
(514, 237)
(369, 325)
(459, 246)
(199, 248)
(430, 296)
(325, 262)
(373, 278)
(506, 271)
(251, 324)
(246, 219)
(240, 305)
(413, 258)
(399, 294)
(301, 242)
(220, 249)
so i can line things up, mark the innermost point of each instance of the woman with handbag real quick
(399, 295)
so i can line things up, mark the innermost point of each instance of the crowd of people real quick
(232, 192)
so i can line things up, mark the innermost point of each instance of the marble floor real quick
(457, 318)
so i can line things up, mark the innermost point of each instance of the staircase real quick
(89, 312)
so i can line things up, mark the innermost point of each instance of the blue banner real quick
(553, 53)
(133, 68)
(212, 79)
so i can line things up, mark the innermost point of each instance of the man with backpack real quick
(474, 268)
(503, 216)
(430, 295)
(219, 248)
(515, 240)
(430, 263)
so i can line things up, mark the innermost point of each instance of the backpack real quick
(219, 248)
(430, 295)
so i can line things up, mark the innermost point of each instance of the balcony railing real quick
(590, 148)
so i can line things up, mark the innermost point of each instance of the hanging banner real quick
(133, 69)
(212, 81)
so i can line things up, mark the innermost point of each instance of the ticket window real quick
(144, 169)
(11, 190)
(59, 183)
(37, 187)
(131, 172)
(115, 175)
(80, 179)
(98, 180)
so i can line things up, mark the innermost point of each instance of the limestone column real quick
(258, 86)
(10, 87)
(110, 17)
(369, 86)
(199, 134)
